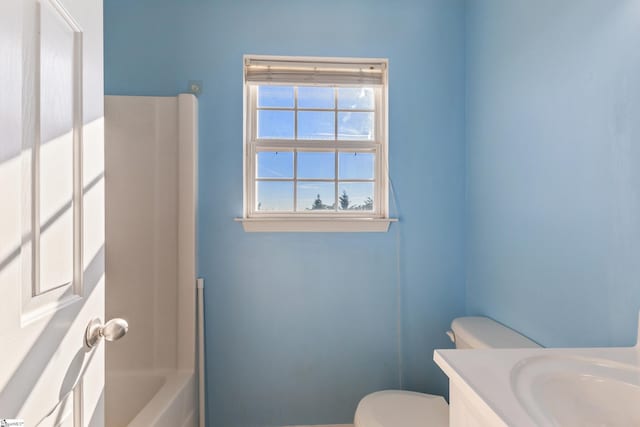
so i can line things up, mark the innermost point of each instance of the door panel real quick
(59, 110)
(52, 216)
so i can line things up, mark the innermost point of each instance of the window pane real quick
(316, 165)
(275, 164)
(316, 196)
(275, 96)
(355, 196)
(357, 126)
(356, 165)
(316, 97)
(274, 196)
(356, 98)
(275, 124)
(316, 125)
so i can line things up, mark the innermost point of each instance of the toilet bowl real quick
(401, 409)
(397, 408)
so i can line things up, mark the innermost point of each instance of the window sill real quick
(316, 225)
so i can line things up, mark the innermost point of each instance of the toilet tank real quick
(483, 333)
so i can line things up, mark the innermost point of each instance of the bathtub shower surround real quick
(151, 146)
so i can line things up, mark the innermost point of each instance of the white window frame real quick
(376, 220)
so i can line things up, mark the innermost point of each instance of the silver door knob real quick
(113, 330)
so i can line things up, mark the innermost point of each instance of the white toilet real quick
(395, 408)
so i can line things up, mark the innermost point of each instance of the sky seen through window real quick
(318, 110)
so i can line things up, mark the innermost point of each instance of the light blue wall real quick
(300, 326)
(553, 125)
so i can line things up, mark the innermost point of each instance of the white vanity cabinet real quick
(480, 393)
(466, 409)
(542, 387)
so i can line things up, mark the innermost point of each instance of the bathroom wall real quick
(553, 133)
(300, 326)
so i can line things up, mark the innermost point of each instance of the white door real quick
(51, 211)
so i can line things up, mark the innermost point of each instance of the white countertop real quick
(488, 373)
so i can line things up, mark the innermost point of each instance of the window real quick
(315, 144)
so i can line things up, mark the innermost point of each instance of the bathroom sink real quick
(561, 390)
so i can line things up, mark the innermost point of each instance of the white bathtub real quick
(151, 399)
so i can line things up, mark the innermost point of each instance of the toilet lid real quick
(394, 408)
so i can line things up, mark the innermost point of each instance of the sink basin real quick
(577, 391)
